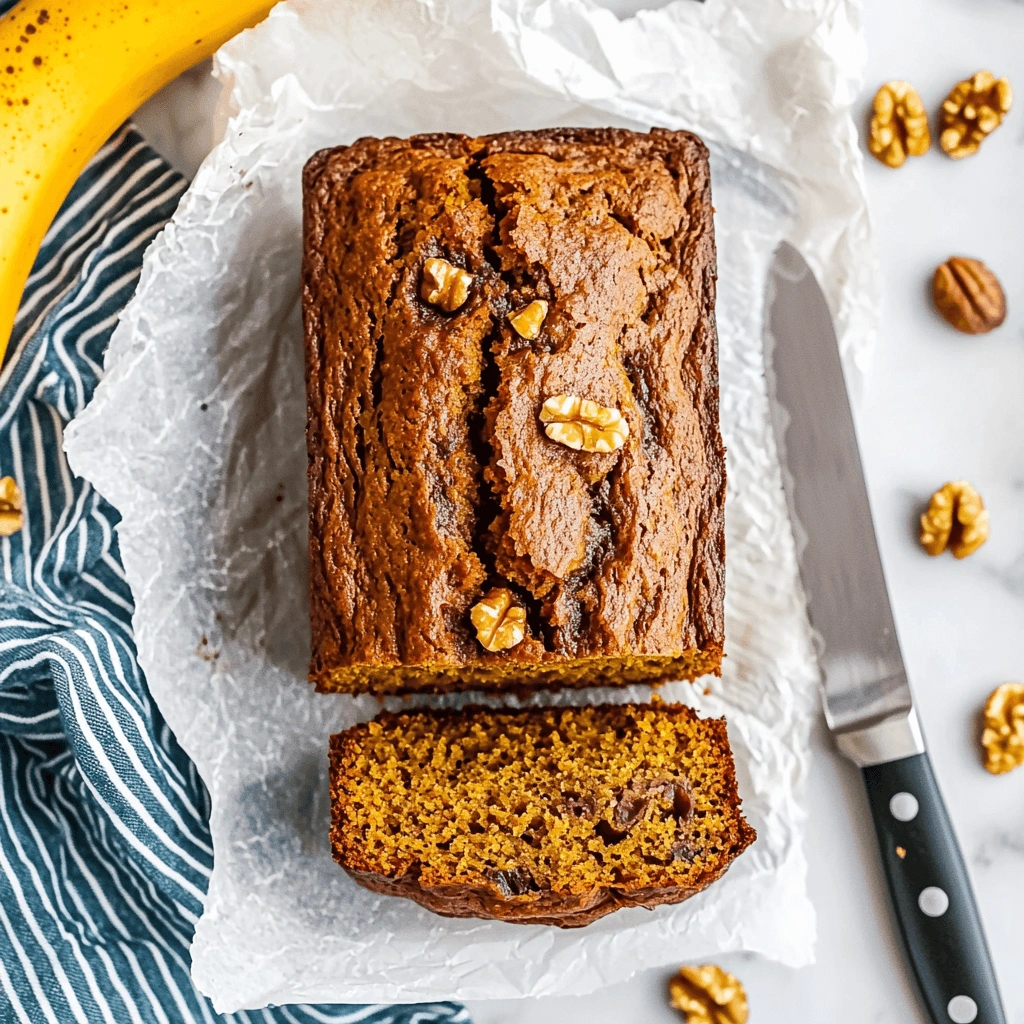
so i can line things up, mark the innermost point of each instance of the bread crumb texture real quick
(553, 815)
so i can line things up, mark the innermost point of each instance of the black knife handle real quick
(931, 893)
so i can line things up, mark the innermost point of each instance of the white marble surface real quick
(937, 406)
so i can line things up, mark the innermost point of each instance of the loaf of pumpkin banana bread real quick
(516, 476)
(544, 816)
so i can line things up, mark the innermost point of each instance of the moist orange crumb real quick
(550, 815)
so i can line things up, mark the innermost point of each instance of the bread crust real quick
(430, 479)
(562, 911)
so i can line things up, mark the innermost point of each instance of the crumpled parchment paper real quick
(196, 436)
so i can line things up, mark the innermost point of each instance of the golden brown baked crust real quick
(431, 480)
(572, 911)
(539, 816)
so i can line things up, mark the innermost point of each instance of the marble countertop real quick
(937, 406)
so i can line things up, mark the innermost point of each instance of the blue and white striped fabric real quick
(104, 846)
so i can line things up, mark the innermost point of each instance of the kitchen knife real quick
(868, 703)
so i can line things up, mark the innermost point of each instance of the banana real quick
(71, 71)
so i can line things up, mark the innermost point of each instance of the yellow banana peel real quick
(71, 71)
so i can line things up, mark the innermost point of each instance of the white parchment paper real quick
(196, 436)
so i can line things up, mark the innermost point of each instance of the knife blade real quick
(868, 703)
(865, 683)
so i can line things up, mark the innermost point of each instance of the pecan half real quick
(968, 295)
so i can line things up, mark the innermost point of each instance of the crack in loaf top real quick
(431, 477)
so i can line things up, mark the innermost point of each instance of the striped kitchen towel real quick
(105, 848)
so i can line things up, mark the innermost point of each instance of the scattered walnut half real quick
(969, 295)
(529, 320)
(445, 285)
(708, 995)
(10, 507)
(1003, 734)
(956, 519)
(582, 424)
(899, 124)
(973, 110)
(500, 622)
